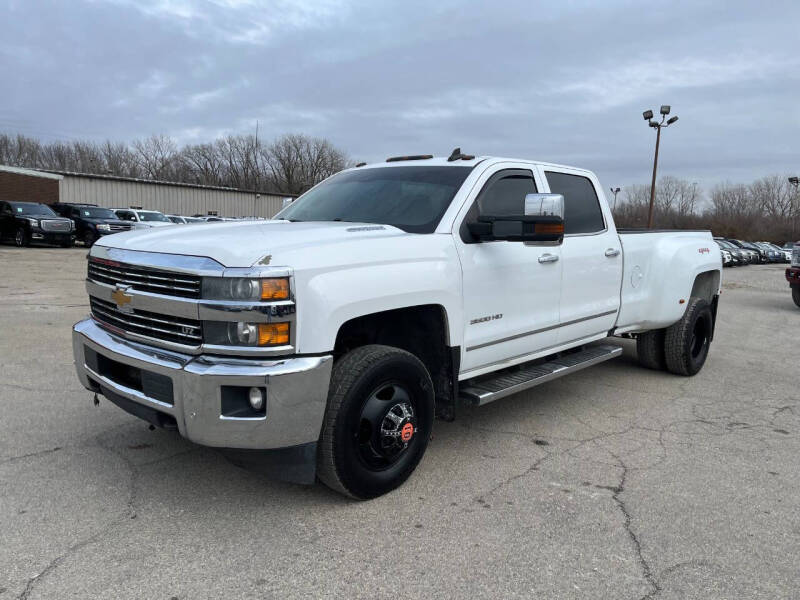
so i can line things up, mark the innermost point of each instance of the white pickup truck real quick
(323, 343)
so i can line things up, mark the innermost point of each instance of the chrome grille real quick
(148, 324)
(53, 225)
(145, 279)
(116, 227)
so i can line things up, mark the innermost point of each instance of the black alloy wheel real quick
(378, 421)
(386, 426)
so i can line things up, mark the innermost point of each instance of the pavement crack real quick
(128, 513)
(643, 564)
(30, 455)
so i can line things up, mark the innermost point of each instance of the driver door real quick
(512, 290)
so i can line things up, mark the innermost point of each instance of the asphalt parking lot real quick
(617, 482)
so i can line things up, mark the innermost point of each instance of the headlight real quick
(245, 288)
(34, 222)
(246, 334)
(103, 227)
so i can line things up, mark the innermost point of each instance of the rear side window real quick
(582, 212)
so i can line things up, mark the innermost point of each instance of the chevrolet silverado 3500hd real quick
(323, 343)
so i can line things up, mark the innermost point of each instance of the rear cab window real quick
(582, 212)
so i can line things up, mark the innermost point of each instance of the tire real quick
(366, 383)
(796, 295)
(21, 238)
(89, 239)
(650, 349)
(686, 343)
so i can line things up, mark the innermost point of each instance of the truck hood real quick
(243, 244)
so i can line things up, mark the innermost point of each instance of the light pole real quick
(648, 116)
(614, 191)
(795, 181)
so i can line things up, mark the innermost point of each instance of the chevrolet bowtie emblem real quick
(120, 297)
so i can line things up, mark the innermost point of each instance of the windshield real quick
(153, 216)
(410, 198)
(32, 209)
(95, 212)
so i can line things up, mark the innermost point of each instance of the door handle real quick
(612, 252)
(547, 258)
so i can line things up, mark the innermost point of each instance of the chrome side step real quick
(494, 386)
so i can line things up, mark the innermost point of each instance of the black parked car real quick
(91, 221)
(26, 222)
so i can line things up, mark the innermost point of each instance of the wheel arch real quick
(423, 331)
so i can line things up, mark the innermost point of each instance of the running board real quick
(487, 388)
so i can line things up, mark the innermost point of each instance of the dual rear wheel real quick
(681, 348)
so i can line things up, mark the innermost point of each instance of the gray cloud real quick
(563, 82)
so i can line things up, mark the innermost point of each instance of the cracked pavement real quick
(616, 482)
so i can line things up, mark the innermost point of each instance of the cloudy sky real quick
(562, 81)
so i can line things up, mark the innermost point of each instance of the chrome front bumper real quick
(297, 390)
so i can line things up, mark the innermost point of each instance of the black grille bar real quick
(168, 328)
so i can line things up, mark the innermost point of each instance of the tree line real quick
(765, 209)
(289, 164)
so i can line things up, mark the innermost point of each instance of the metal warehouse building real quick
(48, 187)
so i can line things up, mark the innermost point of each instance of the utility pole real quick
(795, 181)
(648, 116)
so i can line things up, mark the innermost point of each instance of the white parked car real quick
(142, 219)
(322, 343)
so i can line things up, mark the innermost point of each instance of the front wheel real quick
(21, 238)
(377, 423)
(686, 342)
(796, 295)
(88, 239)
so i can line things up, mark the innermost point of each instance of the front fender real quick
(327, 300)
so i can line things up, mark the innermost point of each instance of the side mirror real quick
(543, 222)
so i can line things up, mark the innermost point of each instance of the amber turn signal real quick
(275, 289)
(273, 334)
(552, 228)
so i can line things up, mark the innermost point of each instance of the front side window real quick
(410, 198)
(504, 194)
(582, 212)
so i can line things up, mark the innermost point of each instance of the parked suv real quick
(91, 221)
(793, 274)
(26, 222)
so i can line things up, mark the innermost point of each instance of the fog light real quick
(256, 398)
